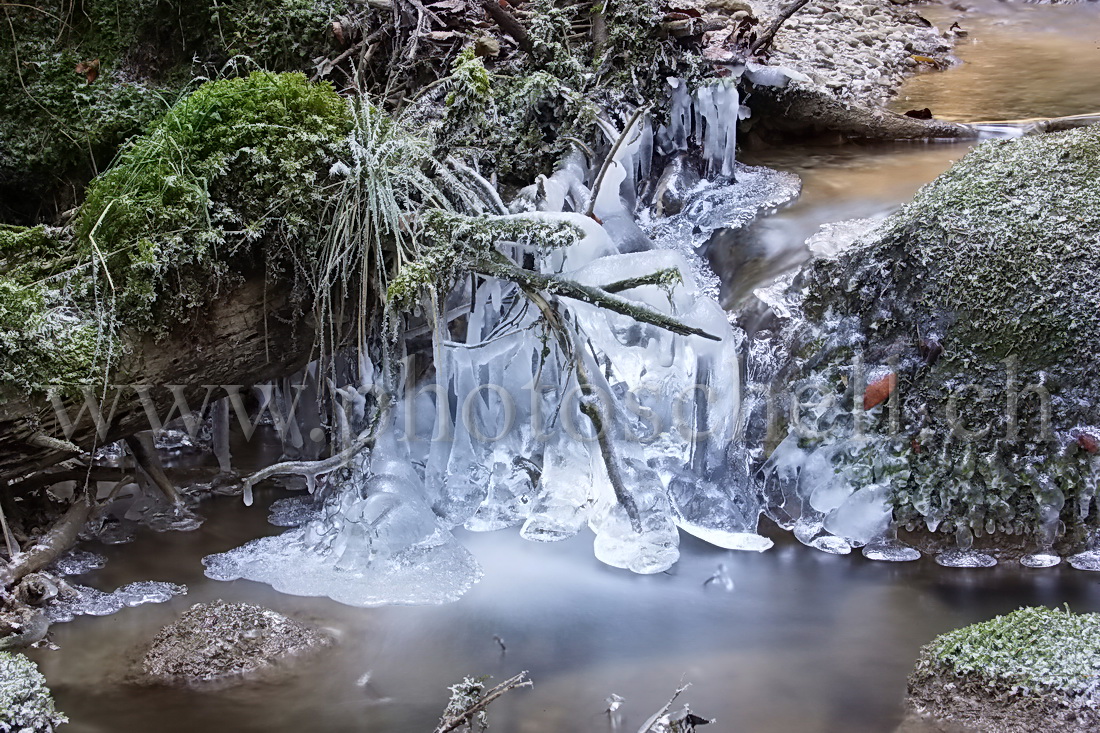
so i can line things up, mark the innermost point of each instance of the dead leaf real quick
(879, 391)
(90, 69)
(448, 6)
(443, 36)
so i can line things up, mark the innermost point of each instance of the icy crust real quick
(437, 570)
(86, 601)
(715, 205)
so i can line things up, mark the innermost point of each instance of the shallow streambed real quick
(803, 642)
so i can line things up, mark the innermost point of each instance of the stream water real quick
(802, 641)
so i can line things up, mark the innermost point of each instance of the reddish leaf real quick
(879, 391)
(90, 69)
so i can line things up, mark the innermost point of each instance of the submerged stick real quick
(144, 451)
(520, 680)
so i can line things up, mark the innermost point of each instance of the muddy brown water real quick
(804, 642)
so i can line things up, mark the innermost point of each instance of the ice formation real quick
(503, 436)
(85, 601)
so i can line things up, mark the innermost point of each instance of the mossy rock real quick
(26, 704)
(78, 80)
(230, 183)
(232, 178)
(983, 297)
(1033, 669)
(224, 642)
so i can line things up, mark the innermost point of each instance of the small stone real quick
(224, 641)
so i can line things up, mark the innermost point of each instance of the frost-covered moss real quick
(25, 702)
(232, 177)
(983, 295)
(43, 338)
(453, 241)
(541, 103)
(1031, 651)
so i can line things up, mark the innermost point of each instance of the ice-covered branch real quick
(452, 723)
(501, 267)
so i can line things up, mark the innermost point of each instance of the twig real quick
(509, 24)
(592, 407)
(503, 268)
(661, 277)
(765, 40)
(611, 159)
(446, 726)
(648, 725)
(60, 537)
(9, 539)
(317, 468)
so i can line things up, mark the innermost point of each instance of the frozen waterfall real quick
(503, 434)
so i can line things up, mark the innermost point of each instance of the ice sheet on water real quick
(87, 601)
(437, 570)
(1088, 560)
(1040, 560)
(293, 511)
(831, 545)
(890, 551)
(833, 238)
(78, 562)
(719, 205)
(965, 559)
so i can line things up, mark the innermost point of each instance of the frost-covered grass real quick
(1032, 651)
(25, 702)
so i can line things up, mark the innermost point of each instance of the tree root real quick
(60, 537)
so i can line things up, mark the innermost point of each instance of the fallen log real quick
(251, 335)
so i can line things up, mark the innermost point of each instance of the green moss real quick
(232, 177)
(25, 702)
(1029, 652)
(44, 338)
(57, 128)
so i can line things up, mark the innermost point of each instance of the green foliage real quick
(231, 177)
(43, 338)
(25, 702)
(56, 126)
(1029, 652)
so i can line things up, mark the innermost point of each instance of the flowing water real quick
(787, 640)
